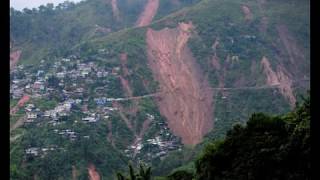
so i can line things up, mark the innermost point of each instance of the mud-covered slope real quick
(148, 13)
(186, 100)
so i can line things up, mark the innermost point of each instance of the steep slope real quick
(148, 13)
(14, 58)
(186, 100)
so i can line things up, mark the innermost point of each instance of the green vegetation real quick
(45, 104)
(267, 147)
(143, 174)
(89, 31)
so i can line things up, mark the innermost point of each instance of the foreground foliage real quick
(266, 148)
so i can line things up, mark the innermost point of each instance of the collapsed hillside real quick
(14, 58)
(148, 13)
(186, 101)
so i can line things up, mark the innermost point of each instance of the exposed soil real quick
(145, 127)
(14, 58)
(150, 10)
(124, 59)
(247, 13)
(215, 63)
(109, 136)
(115, 9)
(126, 86)
(286, 85)
(215, 45)
(20, 104)
(272, 78)
(281, 78)
(186, 99)
(93, 174)
(23, 100)
(138, 138)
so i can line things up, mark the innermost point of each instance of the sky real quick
(20, 4)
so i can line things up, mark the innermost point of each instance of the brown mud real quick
(14, 58)
(150, 10)
(93, 174)
(186, 99)
(281, 78)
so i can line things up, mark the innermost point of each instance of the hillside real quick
(267, 147)
(51, 31)
(155, 89)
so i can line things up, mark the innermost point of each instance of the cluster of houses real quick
(73, 77)
(72, 135)
(156, 147)
(42, 152)
(71, 72)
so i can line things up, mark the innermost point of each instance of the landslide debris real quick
(186, 99)
(150, 10)
(281, 78)
(93, 174)
(14, 58)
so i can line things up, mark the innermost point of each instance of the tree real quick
(144, 174)
(267, 148)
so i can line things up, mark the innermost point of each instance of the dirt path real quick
(109, 136)
(138, 138)
(124, 60)
(150, 10)
(126, 86)
(14, 58)
(123, 116)
(93, 174)
(187, 103)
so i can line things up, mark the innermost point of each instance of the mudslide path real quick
(281, 78)
(186, 99)
(14, 58)
(150, 10)
(93, 174)
(115, 9)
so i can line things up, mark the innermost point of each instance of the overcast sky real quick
(20, 4)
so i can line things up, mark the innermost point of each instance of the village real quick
(73, 87)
